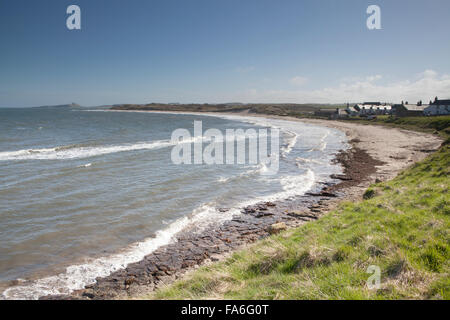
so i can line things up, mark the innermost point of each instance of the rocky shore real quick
(376, 154)
(191, 250)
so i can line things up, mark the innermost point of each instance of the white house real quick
(372, 108)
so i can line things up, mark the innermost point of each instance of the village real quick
(371, 110)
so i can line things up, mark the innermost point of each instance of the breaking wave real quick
(78, 276)
(322, 144)
(79, 151)
(287, 148)
(260, 169)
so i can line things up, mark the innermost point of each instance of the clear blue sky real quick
(140, 51)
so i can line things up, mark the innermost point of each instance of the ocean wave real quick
(87, 165)
(79, 151)
(68, 152)
(292, 186)
(260, 169)
(76, 277)
(296, 185)
(223, 179)
(287, 148)
(322, 144)
(300, 161)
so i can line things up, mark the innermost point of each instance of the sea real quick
(86, 191)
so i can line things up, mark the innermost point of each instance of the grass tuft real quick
(369, 194)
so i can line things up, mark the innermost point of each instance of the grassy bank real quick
(437, 125)
(402, 226)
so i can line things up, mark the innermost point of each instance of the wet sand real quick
(377, 154)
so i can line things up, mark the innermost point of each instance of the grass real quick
(401, 226)
(437, 125)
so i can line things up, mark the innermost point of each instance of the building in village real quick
(352, 111)
(408, 110)
(438, 108)
(327, 113)
(369, 109)
(372, 109)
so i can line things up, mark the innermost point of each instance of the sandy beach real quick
(397, 149)
(377, 154)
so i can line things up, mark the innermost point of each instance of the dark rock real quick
(299, 214)
(340, 177)
(327, 194)
(88, 294)
(263, 214)
(129, 281)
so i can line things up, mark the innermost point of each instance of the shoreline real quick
(75, 276)
(397, 148)
(363, 164)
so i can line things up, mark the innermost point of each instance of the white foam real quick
(87, 165)
(290, 144)
(76, 277)
(301, 161)
(77, 152)
(292, 186)
(295, 185)
(260, 168)
(80, 151)
(322, 144)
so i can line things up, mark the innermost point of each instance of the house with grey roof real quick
(438, 108)
(408, 110)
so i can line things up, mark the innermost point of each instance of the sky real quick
(215, 51)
